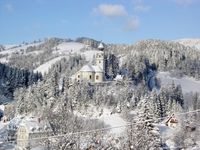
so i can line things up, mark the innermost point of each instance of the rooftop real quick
(91, 68)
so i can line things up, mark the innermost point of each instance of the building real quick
(31, 132)
(92, 73)
(172, 121)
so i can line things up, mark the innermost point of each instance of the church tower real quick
(100, 57)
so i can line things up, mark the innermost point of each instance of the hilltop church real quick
(92, 73)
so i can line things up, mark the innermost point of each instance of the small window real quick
(78, 76)
(90, 76)
(99, 61)
(97, 77)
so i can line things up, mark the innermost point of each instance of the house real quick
(92, 73)
(31, 132)
(171, 121)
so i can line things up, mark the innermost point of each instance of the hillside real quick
(156, 79)
(194, 43)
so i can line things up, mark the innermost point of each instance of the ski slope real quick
(44, 68)
(68, 48)
(188, 84)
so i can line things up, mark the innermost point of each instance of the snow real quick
(91, 68)
(122, 59)
(188, 84)
(100, 46)
(115, 121)
(167, 135)
(3, 60)
(89, 54)
(69, 48)
(9, 46)
(190, 42)
(2, 107)
(44, 68)
(87, 68)
(18, 48)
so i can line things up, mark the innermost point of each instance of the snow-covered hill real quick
(190, 42)
(62, 49)
(188, 84)
(115, 121)
(17, 48)
(69, 48)
(47, 65)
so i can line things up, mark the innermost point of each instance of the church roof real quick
(97, 69)
(91, 68)
(100, 46)
(87, 68)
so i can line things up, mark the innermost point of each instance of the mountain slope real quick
(193, 43)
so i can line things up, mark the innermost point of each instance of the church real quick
(92, 73)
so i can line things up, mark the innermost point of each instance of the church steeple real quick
(101, 47)
(100, 57)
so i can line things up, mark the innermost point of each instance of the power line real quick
(108, 128)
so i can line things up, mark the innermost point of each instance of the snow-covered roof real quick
(97, 69)
(87, 68)
(36, 125)
(100, 46)
(91, 68)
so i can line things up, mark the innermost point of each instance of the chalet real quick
(172, 121)
(92, 73)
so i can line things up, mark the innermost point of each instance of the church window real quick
(97, 77)
(78, 76)
(90, 76)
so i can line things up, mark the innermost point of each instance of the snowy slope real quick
(9, 46)
(10, 49)
(190, 42)
(46, 66)
(188, 84)
(115, 121)
(69, 48)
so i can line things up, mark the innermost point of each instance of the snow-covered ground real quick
(3, 60)
(11, 49)
(68, 48)
(188, 84)
(167, 135)
(115, 121)
(8, 46)
(44, 68)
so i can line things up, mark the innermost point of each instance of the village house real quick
(31, 132)
(92, 73)
(172, 121)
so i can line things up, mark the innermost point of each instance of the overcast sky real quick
(112, 21)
